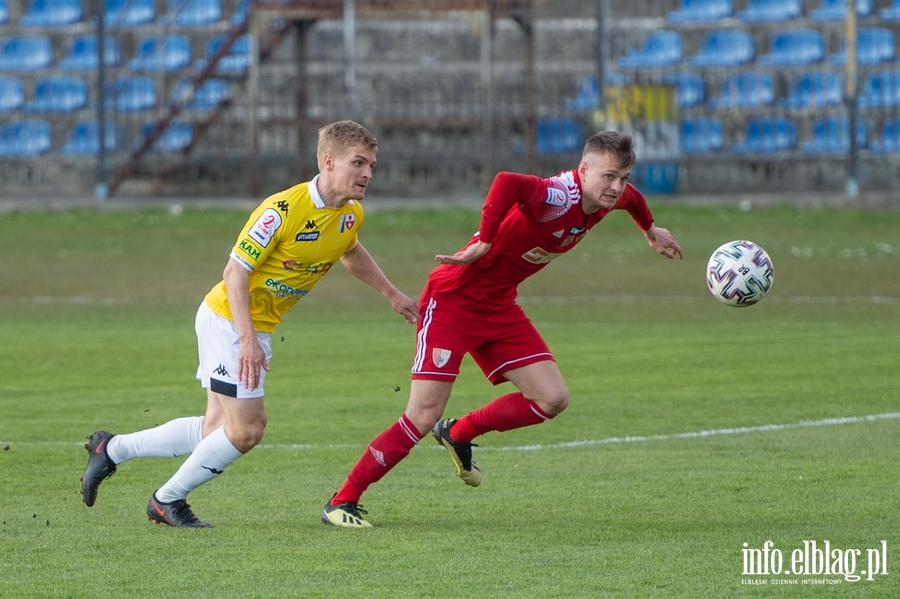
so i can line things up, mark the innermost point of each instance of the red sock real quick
(505, 413)
(383, 453)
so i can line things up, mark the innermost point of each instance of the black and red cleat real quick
(177, 513)
(99, 466)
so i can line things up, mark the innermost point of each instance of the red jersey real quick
(528, 221)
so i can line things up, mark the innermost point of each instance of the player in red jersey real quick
(469, 306)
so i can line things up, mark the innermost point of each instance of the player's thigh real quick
(245, 420)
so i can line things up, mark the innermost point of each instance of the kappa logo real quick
(440, 357)
(283, 206)
(310, 224)
(211, 469)
(221, 371)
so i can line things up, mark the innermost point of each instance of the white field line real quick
(717, 432)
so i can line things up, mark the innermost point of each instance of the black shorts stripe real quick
(223, 388)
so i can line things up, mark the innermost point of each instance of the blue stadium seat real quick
(701, 135)
(177, 136)
(84, 138)
(84, 55)
(816, 89)
(759, 11)
(58, 94)
(874, 45)
(131, 94)
(129, 13)
(655, 177)
(891, 13)
(770, 134)
(746, 90)
(880, 90)
(208, 96)
(24, 138)
(559, 136)
(660, 48)
(52, 13)
(724, 48)
(193, 13)
(689, 89)
(701, 11)
(25, 53)
(236, 62)
(832, 134)
(4, 11)
(586, 96)
(12, 94)
(162, 53)
(836, 10)
(890, 138)
(795, 47)
(240, 13)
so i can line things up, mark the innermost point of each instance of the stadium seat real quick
(836, 10)
(760, 11)
(193, 13)
(890, 138)
(12, 94)
(701, 135)
(660, 48)
(131, 94)
(52, 13)
(817, 89)
(236, 62)
(765, 135)
(129, 13)
(832, 134)
(559, 136)
(24, 138)
(795, 47)
(84, 138)
(58, 94)
(746, 90)
(874, 45)
(25, 53)
(701, 11)
(724, 48)
(4, 11)
(177, 136)
(880, 90)
(689, 89)
(208, 96)
(655, 177)
(891, 13)
(162, 53)
(586, 96)
(83, 54)
(240, 13)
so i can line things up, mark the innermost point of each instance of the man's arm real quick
(362, 266)
(251, 357)
(663, 242)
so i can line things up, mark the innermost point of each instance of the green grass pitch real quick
(696, 432)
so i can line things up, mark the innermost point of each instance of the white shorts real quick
(218, 342)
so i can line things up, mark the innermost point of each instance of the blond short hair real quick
(337, 138)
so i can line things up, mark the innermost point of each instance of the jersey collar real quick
(314, 193)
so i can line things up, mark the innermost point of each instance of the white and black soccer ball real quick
(739, 273)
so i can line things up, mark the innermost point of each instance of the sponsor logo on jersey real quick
(539, 255)
(284, 290)
(347, 222)
(317, 268)
(265, 226)
(440, 357)
(307, 236)
(556, 197)
(250, 249)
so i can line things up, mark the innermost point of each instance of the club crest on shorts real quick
(440, 357)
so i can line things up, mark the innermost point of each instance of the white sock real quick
(174, 438)
(208, 460)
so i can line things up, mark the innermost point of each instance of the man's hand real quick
(467, 255)
(663, 242)
(405, 307)
(251, 361)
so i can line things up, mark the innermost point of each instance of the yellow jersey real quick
(289, 242)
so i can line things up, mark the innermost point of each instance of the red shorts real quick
(498, 341)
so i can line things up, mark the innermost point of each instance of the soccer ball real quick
(739, 273)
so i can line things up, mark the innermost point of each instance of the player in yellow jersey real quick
(289, 242)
